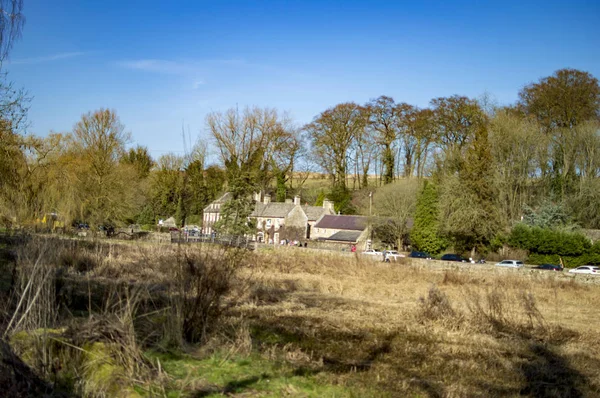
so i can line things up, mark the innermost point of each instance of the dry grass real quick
(124, 298)
(413, 328)
(421, 328)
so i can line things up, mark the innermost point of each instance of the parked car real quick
(455, 257)
(510, 263)
(549, 267)
(586, 269)
(393, 255)
(420, 255)
(372, 252)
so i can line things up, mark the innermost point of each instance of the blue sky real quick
(161, 63)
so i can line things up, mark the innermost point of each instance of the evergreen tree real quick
(242, 181)
(140, 158)
(469, 211)
(425, 233)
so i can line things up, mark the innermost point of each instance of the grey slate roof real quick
(353, 223)
(344, 236)
(313, 212)
(273, 210)
(211, 208)
(281, 210)
(224, 198)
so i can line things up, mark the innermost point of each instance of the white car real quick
(372, 252)
(510, 263)
(586, 269)
(393, 255)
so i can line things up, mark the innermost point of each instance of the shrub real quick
(521, 237)
(568, 261)
(204, 280)
(435, 306)
(34, 286)
(548, 241)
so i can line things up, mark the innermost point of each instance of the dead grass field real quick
(320, 323)
(430, 329)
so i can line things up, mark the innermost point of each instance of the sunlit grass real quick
(220, 375)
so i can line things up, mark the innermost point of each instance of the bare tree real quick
(12, 21)
(561, 103)
(252, 143)
(425, 135)
(393, 206)
(365, 150)
(13, 106)
(383, 119)
(457, 119)
(106, 187)
(515, 145)
(332, 134)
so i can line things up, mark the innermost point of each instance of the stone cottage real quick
(212, 213)
(348, 230)
(290, 220)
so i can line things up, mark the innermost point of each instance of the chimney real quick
(297, 200)
(328, 205)
(256, 197)
(267, 199)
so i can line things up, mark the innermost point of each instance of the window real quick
(268, 223)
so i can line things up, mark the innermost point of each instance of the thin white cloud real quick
(175, 67)
(47, 58)
(159, 66)
(196, 70)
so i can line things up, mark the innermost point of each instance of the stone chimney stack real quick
(267, 199)
(297, 200)
(328, 205)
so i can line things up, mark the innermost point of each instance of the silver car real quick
(510, 263)
(586, 269)
(393, 255)
(372, 252)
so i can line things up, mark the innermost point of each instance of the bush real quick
(435, 306)
(568, 261)
(548, 241)
(204, 280)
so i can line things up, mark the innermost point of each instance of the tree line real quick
(485, 163)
